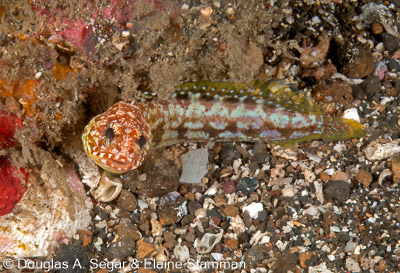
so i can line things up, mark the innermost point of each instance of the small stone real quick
(337, 190)
(169, 240)
(127, 229)
(396, 167)
(86, 237)
(288, 192)
(145, 250)
(285, 263)
(340, 176)
(253, 209)
(376, 28)
(262, 215)
(232, 243)
(193, 206)
(324, 176)
(371, 85)
(229, 186)
(127, 201)
(231, 210)
(167, 215)
(390, 42)
(220, 200)
(256, 255)
(304, 257)
(260, 153)
(364, 177)
(247, 185)
(392, 65)
(70, 254)
(121, 249)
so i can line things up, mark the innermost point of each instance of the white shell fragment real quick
(181, 252)
(207, 243)
(253, 209)
(108, 189)
(352, 113)
(52, 210)
(377, 151)
(194, 166)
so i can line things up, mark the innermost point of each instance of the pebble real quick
(70, 254)
(127, 229)
(390, 42)
(392, 65)
(229, 186)
(337, 190)
(194, 166)
(231, 210)
(260, 153)
(121, 249)
(247, 185)
(371, 85)
(145, 250)
(232, 243)
(127, 201)
(376, 28)
(288, 192)
(168, 216)
(364, 177)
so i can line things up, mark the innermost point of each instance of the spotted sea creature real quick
(119, 139)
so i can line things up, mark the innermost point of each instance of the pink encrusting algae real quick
(119, 139)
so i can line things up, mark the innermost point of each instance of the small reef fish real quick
(119, 139)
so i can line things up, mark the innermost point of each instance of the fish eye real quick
(142, 141)
(108, 136)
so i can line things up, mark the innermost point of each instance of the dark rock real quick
(121, 249)
(358, 92)
(127, 201)
(187, 219)
(228, 153)
(255, 255)
(371, 85)
(70, 254)
(260, 153)
(247, 185)
(193, 206)
(127, 229)
(157, 176)
(390, 42)
(337, 190)
(262, 215)
(392, 64)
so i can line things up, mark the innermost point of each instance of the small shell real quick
(207, 243)
(108, 189)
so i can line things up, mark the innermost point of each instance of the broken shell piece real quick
(181, 252)
(385, 173)
(207, 243)
(377, 151)
(108, 190)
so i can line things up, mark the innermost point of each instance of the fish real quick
(202, 111)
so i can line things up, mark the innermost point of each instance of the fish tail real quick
(337, 128)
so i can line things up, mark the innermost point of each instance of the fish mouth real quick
(115, 166)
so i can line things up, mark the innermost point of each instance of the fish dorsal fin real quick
(273, 93)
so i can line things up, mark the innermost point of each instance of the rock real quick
(356, 61)
(288, 192)
(255, 256)
(364, 177)
(232, 243)
(247, 185)
(127, 229)
(352, 265)
(390, 42)
(69, 254)
(371, 85)
(231, 210)
(324, 176)
(253, 209)
(260, 153)
(121, 249)
(376, 28)
(157, 176)
(229, 186)
(86, 237)
(337, 190)
(262, 215)
(172, 208)
(194, 166)
(338, 175)
(303, 258)
(127, 201)
(287, 262)
(145, 250)
(392, 65)
(396, 167)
